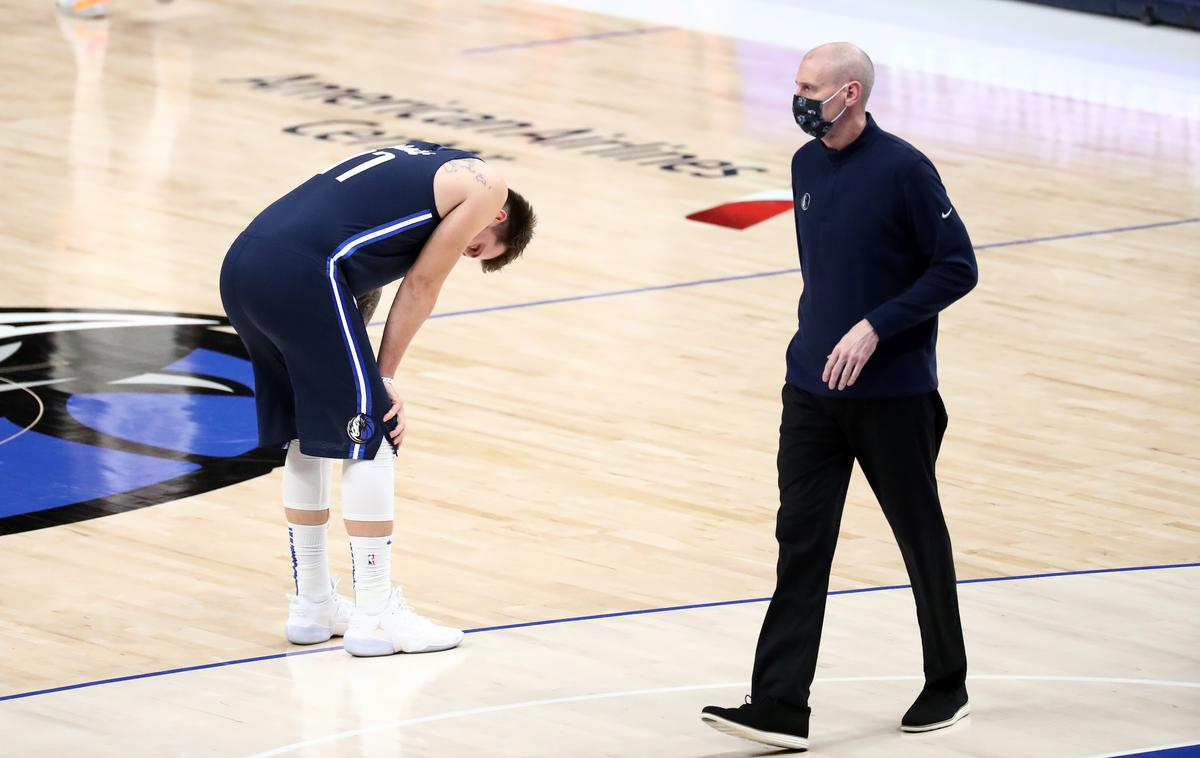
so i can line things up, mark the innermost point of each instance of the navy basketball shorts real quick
(315, 376)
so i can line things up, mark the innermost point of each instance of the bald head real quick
(829, 66)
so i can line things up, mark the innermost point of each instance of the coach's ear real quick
(501, 216)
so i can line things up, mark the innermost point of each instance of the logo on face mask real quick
(807, 112)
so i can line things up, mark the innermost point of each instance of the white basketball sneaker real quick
(397, 629)
(309, 623)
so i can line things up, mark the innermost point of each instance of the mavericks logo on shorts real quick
(361, 428)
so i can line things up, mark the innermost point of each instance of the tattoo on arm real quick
(367, 304)
(470, 165)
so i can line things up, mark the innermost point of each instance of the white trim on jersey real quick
(347, 249)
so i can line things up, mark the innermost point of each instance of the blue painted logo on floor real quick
(106, 411)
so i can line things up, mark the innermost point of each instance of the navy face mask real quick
(807, 113)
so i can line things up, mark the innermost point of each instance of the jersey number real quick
(381, 157)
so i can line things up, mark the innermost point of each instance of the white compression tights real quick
(368, 494)
(368, 486)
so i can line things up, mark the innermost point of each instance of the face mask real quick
(807, 112)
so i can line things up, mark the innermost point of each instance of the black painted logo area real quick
(107, 411)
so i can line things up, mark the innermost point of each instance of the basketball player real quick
(289, 285)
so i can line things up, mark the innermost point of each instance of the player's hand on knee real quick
(396, 412)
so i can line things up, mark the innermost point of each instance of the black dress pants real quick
(895, 441)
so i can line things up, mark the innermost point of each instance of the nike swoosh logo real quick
(947, 213)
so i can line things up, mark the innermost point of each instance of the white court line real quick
(693, 688)
(41, 411)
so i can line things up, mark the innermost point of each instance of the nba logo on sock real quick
(361, 428)
(371, 559)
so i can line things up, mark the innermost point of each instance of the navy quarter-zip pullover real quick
(879, 239)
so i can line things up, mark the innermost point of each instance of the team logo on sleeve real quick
(361, 429)
(106, 411)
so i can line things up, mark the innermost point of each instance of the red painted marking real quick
(742, 214)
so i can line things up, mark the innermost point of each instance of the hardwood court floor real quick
(634, 686)
(611, 453)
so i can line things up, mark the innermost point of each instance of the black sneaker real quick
(936, 709)
(764, 720)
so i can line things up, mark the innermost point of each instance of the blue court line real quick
(612, 293)
(857, 591)
(572, 619)
(565, 40)
(780, 272)
(1183, 751)
(1075, 235)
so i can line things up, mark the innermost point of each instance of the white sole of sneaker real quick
(431, 648)
(958, 716)
(774, 739)
(298, 634)
(366, 647)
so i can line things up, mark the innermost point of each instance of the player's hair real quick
(514, 233)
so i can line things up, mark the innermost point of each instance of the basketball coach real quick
(882, 252)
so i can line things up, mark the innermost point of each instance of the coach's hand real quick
(397, 411)
(850, 355)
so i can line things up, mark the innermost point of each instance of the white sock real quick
(310, 560)
(372, 557)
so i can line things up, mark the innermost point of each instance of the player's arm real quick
(418, 292)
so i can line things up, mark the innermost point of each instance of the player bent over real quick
(289, 284)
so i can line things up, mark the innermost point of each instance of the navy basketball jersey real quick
(369, 215)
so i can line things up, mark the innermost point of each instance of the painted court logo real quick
(749, 210)
(107, 411)
(361, 428)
